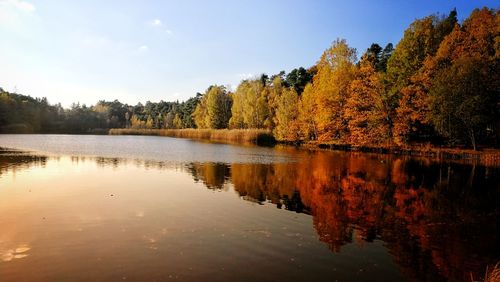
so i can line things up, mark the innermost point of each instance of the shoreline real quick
(488, 156)
(263, 137)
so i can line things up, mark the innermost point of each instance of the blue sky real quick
(135, 51)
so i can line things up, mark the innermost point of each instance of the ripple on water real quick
(16, 253)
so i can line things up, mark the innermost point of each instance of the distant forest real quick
(439, 85)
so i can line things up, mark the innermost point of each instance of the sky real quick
(137, 51)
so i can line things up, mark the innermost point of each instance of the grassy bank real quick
(255, 136)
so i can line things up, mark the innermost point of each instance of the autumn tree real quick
(136, 122)
(250, 105)
(218, 107)
(307, 110)
(200, 114)
(286, 115)
(406, 83)
(275, 90)
(255, 111)
(177, 122)
(329, 91)
(463, 104)
(149, 123)
(419, 41)
(214, 109)
(237, 121)
(465, 101)
(364, 108)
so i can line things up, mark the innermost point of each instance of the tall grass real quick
(255, 136)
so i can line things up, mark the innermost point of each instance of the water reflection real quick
(12, 160)
(213, 175)
(432, 221)
(437, 219)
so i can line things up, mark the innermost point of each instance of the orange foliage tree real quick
(364, 110)
(407, 82)
(464, 90)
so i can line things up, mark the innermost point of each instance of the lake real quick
(143, 208)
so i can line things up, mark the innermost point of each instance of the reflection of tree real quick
(213, 175)
(437, 219)
(293, 203)
(454, 221)
(263, 182)
(120, 162)
(19, 160)
(108, 162)
(16, 160)
(345, 193)
(432, 221)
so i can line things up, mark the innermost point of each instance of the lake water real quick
(140, 208)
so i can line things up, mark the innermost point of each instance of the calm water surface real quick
(135, 208)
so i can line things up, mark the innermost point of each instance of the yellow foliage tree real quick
(149, 123)
(236, 120)
(200, 114)
(330, 89)
(286, 115)
(306, 118)
(250, 107)
(177, 122)
(214, 109)
(136, 122)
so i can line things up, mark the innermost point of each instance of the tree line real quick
(24, 114)
(438, 85)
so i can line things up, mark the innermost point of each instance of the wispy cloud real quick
(155, 23)
(143, 48)
(158, 24)
(19, 5)
(13, 11)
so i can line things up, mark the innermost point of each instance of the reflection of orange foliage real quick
(417, 207)
(213, 175)
(398, 177)
(434, 218)
(263, 182)
(363, 200)
(343, 195)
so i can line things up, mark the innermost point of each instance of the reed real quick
(255, 136)
(492, 274)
